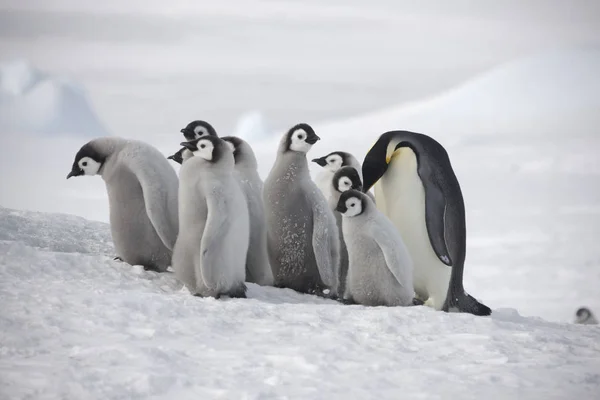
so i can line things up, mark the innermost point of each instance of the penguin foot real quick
(117, 258)
(347, 302)
(238, 292)
(418, 302)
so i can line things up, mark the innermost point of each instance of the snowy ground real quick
(79, 325)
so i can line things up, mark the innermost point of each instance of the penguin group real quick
(219, 226)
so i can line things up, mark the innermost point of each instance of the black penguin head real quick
(178, 156)
(351, 203)
(583, 314)
(209, 148)
(197, 129)
(346, 178)
(300, 138)
(88, 161)
(378, 158)
(333, 161)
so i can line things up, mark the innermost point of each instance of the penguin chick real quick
(344, 179)
(142, 194)
(331, 163)
(210, 252)
(197, 129)
(258, 269)
(380, 270)
(584, 316)
(302, 236)
(181, 155)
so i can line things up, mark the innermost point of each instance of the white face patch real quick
(334, 162)
(298, 141)
(230, 145)
(89, 166)
(344, 184)
(200, 131)
(354, 207)
(205, 149)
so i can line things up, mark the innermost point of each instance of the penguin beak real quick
(341, 208)
(312, 139)
(375, 163)
(321, 161)
(189, 135)
(188, 145)
(75, 172)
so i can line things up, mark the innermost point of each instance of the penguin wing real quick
(159, 186)
(435, 219)
(326, 243)
(213, 239)
(395, 253)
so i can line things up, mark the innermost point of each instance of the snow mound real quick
(74, 235)
(98, 328)
(548, 94)
(32, 101)
(252, 126)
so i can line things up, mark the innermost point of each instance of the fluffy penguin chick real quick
(331, 163)
(380, 269)
(181, 155)
(302, 236)
(197, 129)
(344, 179)
(585, 316)
(142, 194)
(210, 252)
(258, 269)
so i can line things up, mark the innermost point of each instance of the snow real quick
(79, 325)
(33, 102)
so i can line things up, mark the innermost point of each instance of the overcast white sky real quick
(155, 65)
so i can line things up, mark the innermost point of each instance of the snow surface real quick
(79, 325)
(33, 102)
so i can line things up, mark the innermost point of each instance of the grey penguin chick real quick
(380, 269)
(181, 155)
(196, 129)
(258, 269)
(585, 316)
(331, 163)
(344, 179)
(142, 194)
(302, 236)
(210, 252)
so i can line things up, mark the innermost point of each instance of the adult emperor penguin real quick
(210, 252)
(344, 179)
(181, 155)
(197, 129)
(142, 194)
(380, 271)
(585, 316)
(302, 236)
(258, 269)
(331, 163)
(417, 189)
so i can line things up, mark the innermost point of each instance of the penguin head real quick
(346, 178)
(88, 161)
(300, 138)
(583, 314)
(209, 148)
(333, 161)
(351, 203)
(197, 129)
(378, 158)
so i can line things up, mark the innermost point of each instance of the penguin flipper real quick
(435, 219)
(326, 245)
(213, 240)
(157, 192)
(395, 253)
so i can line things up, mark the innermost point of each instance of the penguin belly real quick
(134, 236)
(403, 202)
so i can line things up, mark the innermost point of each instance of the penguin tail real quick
(467, 304)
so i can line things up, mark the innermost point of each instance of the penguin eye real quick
(202, 146)
(84, 164)
(300, 136)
